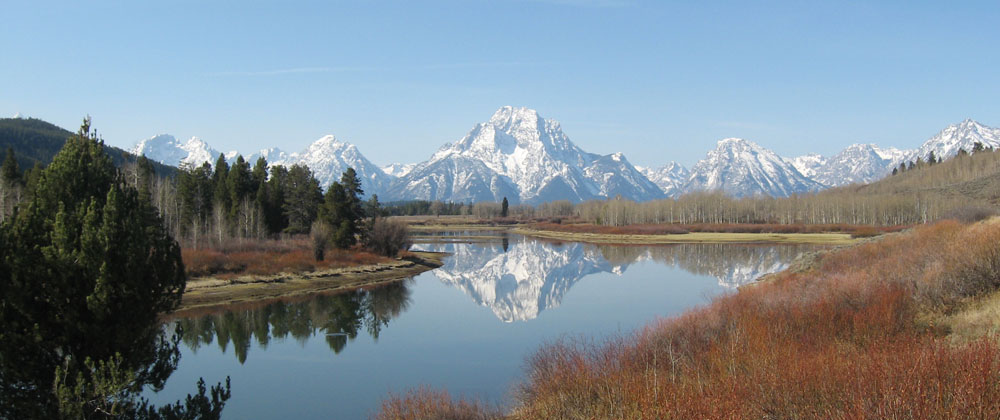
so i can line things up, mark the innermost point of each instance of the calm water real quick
(466, 327)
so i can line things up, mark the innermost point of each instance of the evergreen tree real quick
(87, 269)
(931, 159)
(977, 147)
(10, 172)
(195, 192)
(504, 206)
(273, 200)
(302, 198)
(220, 184)
(343, 209)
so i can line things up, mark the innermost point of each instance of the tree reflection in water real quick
(338, 317)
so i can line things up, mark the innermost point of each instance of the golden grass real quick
(704, 237)
(980, 317)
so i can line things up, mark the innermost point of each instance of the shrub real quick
(388, 237)
(970, 214)
(424, 403)
(320, 235)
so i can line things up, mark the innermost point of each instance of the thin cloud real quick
(440, 66)
(586, 3)
(296, 70)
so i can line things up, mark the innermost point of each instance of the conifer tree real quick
(87, 269)
(10, 172)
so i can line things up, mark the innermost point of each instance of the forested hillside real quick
(36, 141)
(960, 187)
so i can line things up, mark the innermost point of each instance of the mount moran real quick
(527, 158)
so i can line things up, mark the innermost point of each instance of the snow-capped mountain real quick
(963, 135)
(615, 176)
(858, 163)
(522, 156)
(808, 164)
(328, 158)
(398, 169)
(670, 177)
(167, 150)
(742, 168)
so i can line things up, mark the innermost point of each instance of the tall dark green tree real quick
(302, 199)
(273, 200)
(10, 172)
(504, 207)
(195, 191)
(87, 267)
(220, 184)
(344, 210)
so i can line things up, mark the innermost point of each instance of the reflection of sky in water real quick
(429, 331)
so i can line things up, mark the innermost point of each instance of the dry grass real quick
(846, 340)
(679, 229)
(978, 318)
(267, 257)
(426, 404)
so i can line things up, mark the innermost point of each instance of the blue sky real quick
(659, 81)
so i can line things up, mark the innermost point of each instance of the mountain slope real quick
(166, 149)
(36, 141)
(670, 178)
(963, 135)
(328, 158)
(858, 163)
(520, 149)
(742, 168)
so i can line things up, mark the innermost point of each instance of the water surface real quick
(466, 326)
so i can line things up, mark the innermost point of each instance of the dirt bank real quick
(209, 291)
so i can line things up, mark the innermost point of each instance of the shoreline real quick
(207, 292)
(693, 237)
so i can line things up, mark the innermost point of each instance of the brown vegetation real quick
(679, 229)
(859, 336)
(266, 257)
(424, 403)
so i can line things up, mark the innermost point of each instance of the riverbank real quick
(702, 237)
(902, 326)
(204, 292)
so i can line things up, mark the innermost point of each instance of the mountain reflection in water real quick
(516, 277)
(519, 277)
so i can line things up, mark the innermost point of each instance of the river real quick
(466, 327)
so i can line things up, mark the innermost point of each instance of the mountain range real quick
(528, 159)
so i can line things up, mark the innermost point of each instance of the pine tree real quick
(504, 207)
(10, 172)
(302, 198)
(88, 267)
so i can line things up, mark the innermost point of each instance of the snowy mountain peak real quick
(398, 169)
(18, 116)
(963, 135)
(740, 168)
(520, 155)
